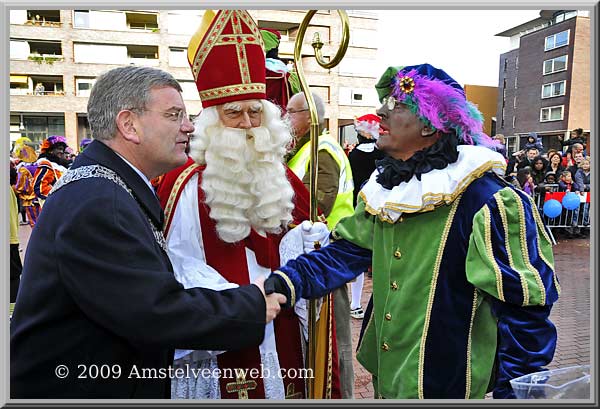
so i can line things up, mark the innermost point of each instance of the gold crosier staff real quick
(317, 44)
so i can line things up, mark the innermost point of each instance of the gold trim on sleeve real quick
(289, 284)
(502, 211)
(490, 251)
(525, 251)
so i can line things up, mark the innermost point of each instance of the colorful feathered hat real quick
(437, 99)
(53, 142)
(227, 58)
(369, 124)
(84, 143)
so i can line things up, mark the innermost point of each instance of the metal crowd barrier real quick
(576, 218)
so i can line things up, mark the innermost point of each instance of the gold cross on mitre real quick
(223, 54)
(241, 385)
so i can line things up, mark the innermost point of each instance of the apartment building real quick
(544, 82)
(55, 56)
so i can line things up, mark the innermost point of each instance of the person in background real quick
(554, 163)
(582, 179)
(450, 314)
(530, 154)
(15, 258)
(534, 141)
(576, 137)
(577, 159)
(51, 165)
(550, 179)
(84, 143)
(97, 283)
(567, 184)
(501, 149)
(281, 82)
(39, 89)
(524, 181)
(362, 161)
(25, 182)
(69, 156)
(538, 175)
(335, 190)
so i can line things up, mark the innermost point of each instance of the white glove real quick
(314, 233)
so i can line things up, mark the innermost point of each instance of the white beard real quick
(245, 181)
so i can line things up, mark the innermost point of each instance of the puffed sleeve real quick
(510, 258)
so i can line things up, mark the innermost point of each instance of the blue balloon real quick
(552, 208)
(571, 201)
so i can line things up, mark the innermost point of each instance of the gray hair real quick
(318, 102)
(122, 88)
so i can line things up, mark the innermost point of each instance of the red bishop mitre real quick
(227, 58)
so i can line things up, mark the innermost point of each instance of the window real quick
(555, 65)
(505, 64)
(178, 57)
(557, 40)
(190, 91)
(565, 16)
(552, 113)
(511, 144)
(81, 19)
(100, 53)
(84, 86)
(363, 38)
(554, 89)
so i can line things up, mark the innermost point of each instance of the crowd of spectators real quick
(537, 171)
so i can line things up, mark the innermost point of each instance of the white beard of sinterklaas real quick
(244, 183)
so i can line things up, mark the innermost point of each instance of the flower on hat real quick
(407, 84)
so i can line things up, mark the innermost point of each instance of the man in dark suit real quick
(99, 310)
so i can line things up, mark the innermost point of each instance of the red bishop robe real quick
(230, 261)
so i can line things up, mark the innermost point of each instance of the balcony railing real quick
(16, 91)
(153, 27)
(47, 58)
(43, 23)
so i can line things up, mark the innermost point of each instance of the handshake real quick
(314, 236)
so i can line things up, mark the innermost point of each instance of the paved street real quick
(571, 314)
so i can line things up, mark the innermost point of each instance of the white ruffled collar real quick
(437, 187)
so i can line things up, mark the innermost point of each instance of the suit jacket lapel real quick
(103, 155)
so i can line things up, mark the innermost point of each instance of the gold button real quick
(397, 254)
(388, 316)
(385, 346)
(394, 285)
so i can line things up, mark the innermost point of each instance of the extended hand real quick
(314, 235)
(272, 301)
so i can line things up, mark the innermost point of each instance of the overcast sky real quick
(461, 42)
